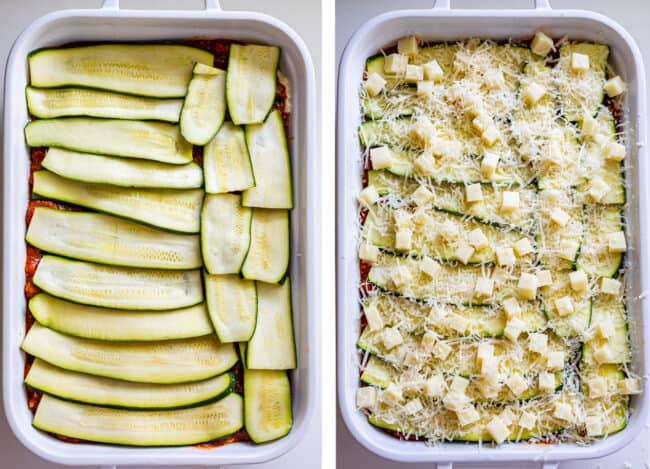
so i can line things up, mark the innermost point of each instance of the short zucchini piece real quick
(157, 70)
(157, 141)
(272, 346)
(576, 323)
(608, 309)
(176, 210)
(204, 107)
(124, 172)
(66, 102)
(269, 154)
(267, 404)
(251, 82)
(599, 221)
(226, 163)
(168, 361)
(558, 246)
(118, 287)
(268, 256)
(225, 233)
(80, 387)
(560, 172)
(91, 322)
(377, 372)
(232, 304)
(141, 427)
(106, 239)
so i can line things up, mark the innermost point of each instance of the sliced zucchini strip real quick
(268, 256)
(611, 410)
(168, 361)
(157, 70)
(204, 107)
(269, 154)
(66, 102)
(595, 258)
(80, 387)
(574, 324)
(226, 162)
(607, 309)
(157, 141)
(378, 373)
(272, 346)
(559, 166)
(141, 427)
(267, 404)
(119, 325)
(251, 82)
(176, 210)
(225, 233)
(232, 304)
(118, 287)
(106, 239)
(558, 246)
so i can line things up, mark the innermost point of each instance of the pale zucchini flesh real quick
(232, 305)
(268, 256)
(267, 404)
(226, 162)
(574, 324)
(168, 361)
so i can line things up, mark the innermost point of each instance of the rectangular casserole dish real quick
(112, 24)
(443, 24)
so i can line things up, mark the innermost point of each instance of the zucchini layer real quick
(268, 256)
(574, 324)
(595, 258)
(608, 309)
(232, 304)
(226, 162)
(267, 404)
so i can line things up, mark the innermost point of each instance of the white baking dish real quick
(110, 24)
(443, 24)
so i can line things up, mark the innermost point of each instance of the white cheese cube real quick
(508, 416)
(517, 384)
(616, 242)
(514, 328)
(614, 151)
(428, 341)
(368, 253)
(395, 64)
(527, 420)
(425, 164)
(579, 62)
(509, 201)
(484, 349)
(457, 323)
(413, 406)
(610, 286)
(455, 400)
(477, 239)
(473, 193)
(538, 343)
(441, 350)
(598, 189)
(614, 86)
(402, 219)
(423, 130)
(490, 366)
(421, 196)
(594, 425)
(494, 79)
(414, 73)
(490, 135)
(403, 240)
(429, 266)
(366, 397)
(432, 71)
(481, 122)
(505, 256)
(392, 393)
(546, 381)
(374, 319)
(533, 93)
(563, 410)
(464, 253)
(425, 87)
(568, 249)
(381, 157)
(597, 386)
(604, 354)
(527, 286)
(434, 386)
(484, 287)
(498, 430)
(578, 280)
(630, 386)
(374, 84)
(408, 46)
(489, 165)
(604, 329)
(511, 307)
(541, 44)
(555, 360)
(391, 338)
(467, 415)
(544, 278)
(564, 306)
(459, 384)
(559, 216)
(472, 103)
(400, 277)
(589, 126)
(368, 196)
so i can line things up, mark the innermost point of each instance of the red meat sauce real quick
(220, 48)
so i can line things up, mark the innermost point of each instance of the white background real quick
(305, 18)
(634, 15)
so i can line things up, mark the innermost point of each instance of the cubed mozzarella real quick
(564, 306)
(498, 430)
(527, 286)
(604, 329)
(381, 157)
(579, 62)
(441, 350)
(509, 201)
(541, 44)
(614, 151)
(425, 87)
(610, 286)
(563, 411)
(490, 135)
(511, 307)
(467, 415)
(425, 164)
(598, 189)
(568, 249)
(414, 73)
(505, 256)
(544, 278)
(366, 397)
(374, 84)
(473, 193)
(455, 400)
(429, 266)
(555, 360)
(533, 93)
(432, 71)
(578, 280)
(604, 354)
(464, 253)
(559, 217)
(616, 242)
(594, 425)
(589, 126)
(401, 276)
(527, 420)
(413, 406)
(368, 196)
(630, 386)
(392, 393)
(395, 64)
(459, 384)
(489, 165)
(484, 287)
(403, 239)
(368, 253)
(434, 386)
(538, 343)
(477, 239)
(546, 381)
(408, 46)
(614, 86)
(391, 338)
(517, 384)
(374, 319)
(457, 322)
(597, 387)
(514, 328)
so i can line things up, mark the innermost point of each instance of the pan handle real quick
(210, 5)
(550, 465)
(446, 4)
(444, 465)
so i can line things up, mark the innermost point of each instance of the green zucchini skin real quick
(141, 427)
(227, 163)
(267, 404)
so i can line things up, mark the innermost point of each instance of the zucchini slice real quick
(577, 322)
(559, 166)
(80, 387)
(168, 361)
(125, 172)
(225, 233)
(594, 258)
(118, 287)
(271, 163)
(377, 372)
(268, 256)
(106, 239)
(176, 210)
(157, 141)
(607, 308)
(272, 346)
(251, 82)
(232, 304)
(559, 246)
(157, 70)
(226, 163)
(613, 410)
(267, 404)
(119, 325)
(66, 102)
(141, 427)
(204, 107)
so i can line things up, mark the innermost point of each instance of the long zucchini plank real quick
(267, 404)
(80, 387)
(141, 427)
(106, 239)
(66, 102)
(168, 361)
(119, 325)
(595, 258)
(157, 141)
(125, 172)
(118, 287)
(226, 163)
(232, 305)
(176, 210)
(268, 255)
(574, 324)
(157, 70)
